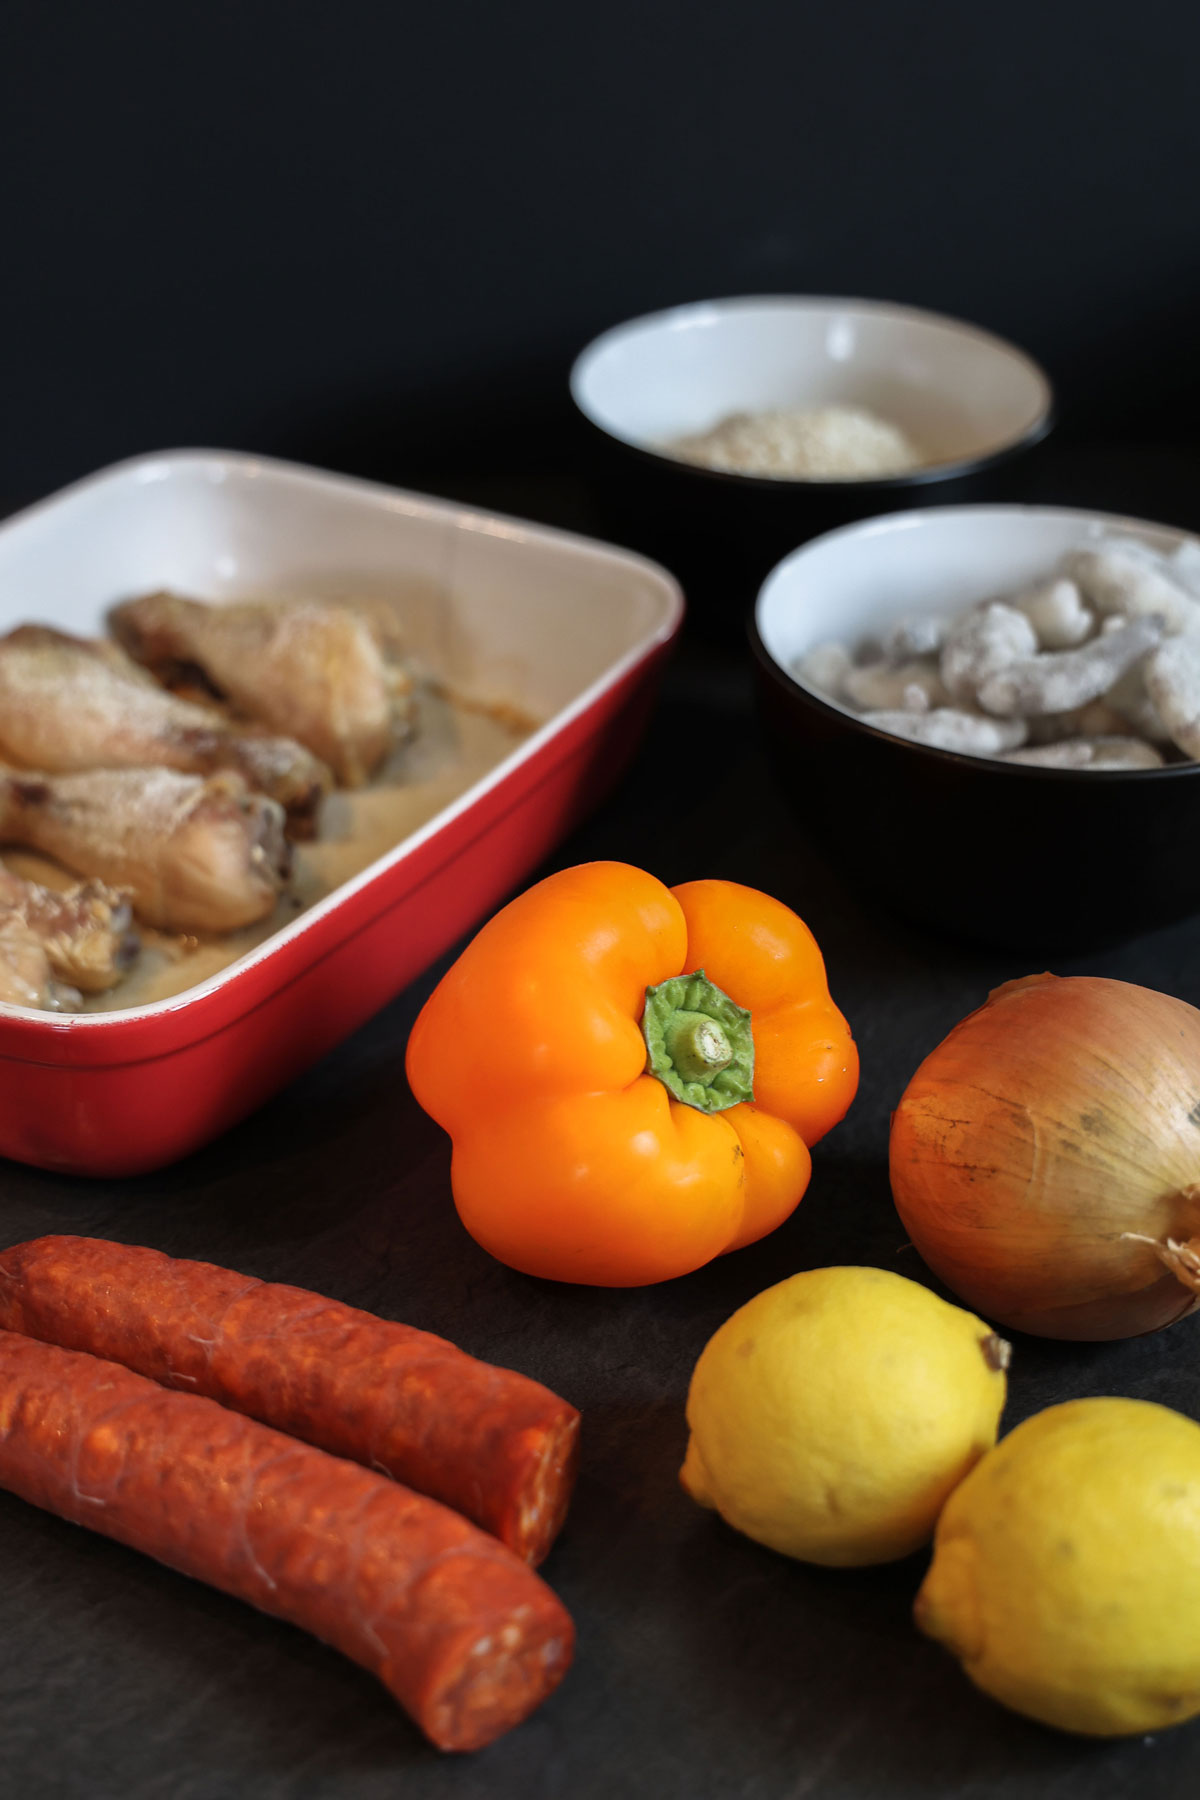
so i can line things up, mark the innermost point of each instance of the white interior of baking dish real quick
(509, 614)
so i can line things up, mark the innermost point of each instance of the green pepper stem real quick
(699, 1043)
(697, 1046)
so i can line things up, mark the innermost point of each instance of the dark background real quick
(373, 235)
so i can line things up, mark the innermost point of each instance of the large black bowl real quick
(1036, 858)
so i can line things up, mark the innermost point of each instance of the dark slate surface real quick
(708, 1668)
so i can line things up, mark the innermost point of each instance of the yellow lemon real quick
(832, 1414)
(1066, 1569)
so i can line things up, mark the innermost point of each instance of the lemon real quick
(1066, 1569)
(832, 1414)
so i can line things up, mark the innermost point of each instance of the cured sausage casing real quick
(491, 1443)
(462, 1632)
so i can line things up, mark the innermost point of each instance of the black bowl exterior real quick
(1035, 859)
(721, 534)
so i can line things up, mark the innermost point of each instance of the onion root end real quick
(1182, 1258)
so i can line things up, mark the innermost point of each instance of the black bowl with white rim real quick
(971, 404)
(994, 851)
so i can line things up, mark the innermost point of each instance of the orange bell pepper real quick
(631, 1074)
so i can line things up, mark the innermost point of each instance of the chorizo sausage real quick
(491, 1443)
(462, 1632)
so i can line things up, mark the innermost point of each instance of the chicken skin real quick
(195, 853)
(26, 978)
(313, 669)
(67, 703)
(85, 932)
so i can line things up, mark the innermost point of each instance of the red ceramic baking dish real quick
(569, 632)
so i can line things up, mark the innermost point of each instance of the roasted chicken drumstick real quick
(26, 978)
(67, 703)
(196, 853)
(307, 667)
(84, 931)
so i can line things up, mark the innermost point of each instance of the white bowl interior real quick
(958, 391)
(853, 583)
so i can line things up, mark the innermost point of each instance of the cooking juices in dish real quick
(182, 788)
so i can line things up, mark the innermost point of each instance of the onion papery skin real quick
(1060, 1116)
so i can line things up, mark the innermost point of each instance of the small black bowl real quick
(974, 402)
(1032, 858)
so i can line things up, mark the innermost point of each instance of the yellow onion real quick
(1045, 1158)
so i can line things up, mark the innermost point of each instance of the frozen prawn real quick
(951, 728)
(915, 636)
(1057, 681)
(1173, 685)
(1057, 613)
(913, 686)
(1123, 582)
(986, 641)
(825, 668)
(1089, 753)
